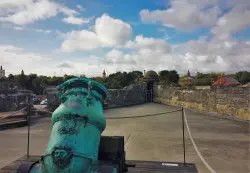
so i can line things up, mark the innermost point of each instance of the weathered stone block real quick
(233, 101)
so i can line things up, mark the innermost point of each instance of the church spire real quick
(188, 74)
(104, 74)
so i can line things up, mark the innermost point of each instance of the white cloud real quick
(116, 60)
(76, 20)
(145, 53)
(216, 55)
(80, 40)
(80, 8)
(235, 20)
(42, 64)
(109, 32)
(221, 53)
(66, 65)
(46, 31)
(202, 55)
(142, 43)
(30, 62)
(28, 11)
(18, 28)
(112, 31)
(11, 6)
(42, 30)
(186, 15)
(116, 57)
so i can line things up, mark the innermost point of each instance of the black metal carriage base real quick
(111, 154)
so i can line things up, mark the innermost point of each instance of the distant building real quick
(103, 74)
(150, 79)
(187, 81)
(2, 72)
(226, 81)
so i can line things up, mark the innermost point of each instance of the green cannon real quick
(77, 127)
(76, 144)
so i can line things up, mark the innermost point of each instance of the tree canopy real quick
(168, 77)
(117, 80)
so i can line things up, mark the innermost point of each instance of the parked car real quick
(44, 102)
(36, 101)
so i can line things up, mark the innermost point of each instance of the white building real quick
(2, 72)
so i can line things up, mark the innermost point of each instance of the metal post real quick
(28, 144)
(183, 137)
(151, 95)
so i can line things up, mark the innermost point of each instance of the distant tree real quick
(117, 80)
(11, 77)
(82, 76)
(242, 76)
(214, 76)
(98, 79)
(174, 76)
(22, 79)
(28, 82)
(53, 81)
(69, 77)
(169, 77)
(37, 86)
(134, 77)
(245, 77)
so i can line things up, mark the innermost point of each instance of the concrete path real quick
(223, 143)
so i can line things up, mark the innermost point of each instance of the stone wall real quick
(232, 101)
(132, 95)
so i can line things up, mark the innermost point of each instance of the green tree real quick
(69, 77)
(116, 80)
(242, 76)
(134, 77)
(22, 79)
(36, 85)
(82, 76)
(11, 77)
(169, 77)
(98, 79)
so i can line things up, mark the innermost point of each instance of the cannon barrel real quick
(77, 127)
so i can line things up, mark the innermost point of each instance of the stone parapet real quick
(131, 95)
(232, 101)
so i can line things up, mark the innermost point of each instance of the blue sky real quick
(117, 35)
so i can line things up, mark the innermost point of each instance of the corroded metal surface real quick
(77, 126)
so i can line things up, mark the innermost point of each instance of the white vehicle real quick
(44, 102)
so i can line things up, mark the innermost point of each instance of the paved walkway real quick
(223, 143)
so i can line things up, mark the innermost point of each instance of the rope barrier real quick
(151, 115)
(142, 116)
(128, 117)
(195, 147)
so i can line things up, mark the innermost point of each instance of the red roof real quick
(226, 81)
